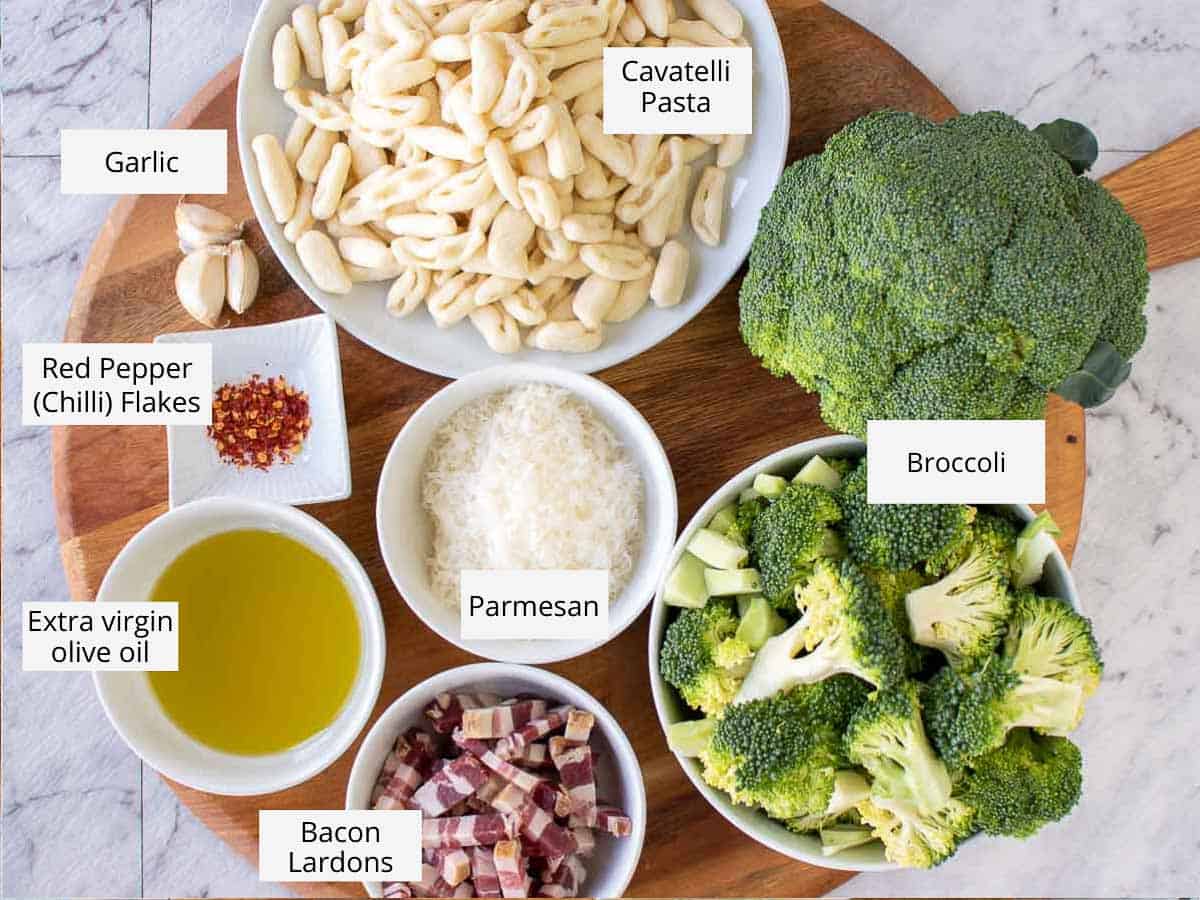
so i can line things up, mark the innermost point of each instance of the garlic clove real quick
(200, 284)
(198, 226)
(241, 276)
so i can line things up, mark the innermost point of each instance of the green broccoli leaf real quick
(1072, 141)
(1102, 372)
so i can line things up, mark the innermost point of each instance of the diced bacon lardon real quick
(446, 710)
(498, 721)
(511, 745)
(535, 823)
(579, 726)
(510, 869)
(454, 866)
(574, 764)
(614, 821)
(456, 782)
(483, 870)
(468, 831)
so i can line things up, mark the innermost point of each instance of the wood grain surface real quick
(715, 409)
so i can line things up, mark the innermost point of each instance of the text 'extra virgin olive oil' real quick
(268, 642)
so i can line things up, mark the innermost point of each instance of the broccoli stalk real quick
(964, 614)
(845, 630)
(886, 737)
(1035, 543)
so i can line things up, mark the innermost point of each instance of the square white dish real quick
(305, 352)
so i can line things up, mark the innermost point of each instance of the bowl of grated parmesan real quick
(527, 470)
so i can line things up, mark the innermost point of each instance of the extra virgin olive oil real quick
(268, 642)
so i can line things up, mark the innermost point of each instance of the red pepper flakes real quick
(259, 423)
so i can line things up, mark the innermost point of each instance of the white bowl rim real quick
(582, 385)
(592, 362)
(373, 655)
(543, 679)
(833, 446)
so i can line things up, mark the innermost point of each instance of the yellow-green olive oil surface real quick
(268, 642)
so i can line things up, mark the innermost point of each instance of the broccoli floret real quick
(897, 536)
(997, 534)
(702, 659)
(893, 587)
(969, 715)
(783, 753)
(789, 535)
(743, 520)
(963, 614)
(1027, 783)
(913, 839)
(1047, 638)
(959, 270)
(887, 738)
(850, 788)
(845, 630)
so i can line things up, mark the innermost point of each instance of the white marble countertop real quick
(82, 818)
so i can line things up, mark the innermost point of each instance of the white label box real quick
(144, 161)
(956, 461)
(99, 637)
(678, 90)
(339, 845)
(527, 604)
(116, 384)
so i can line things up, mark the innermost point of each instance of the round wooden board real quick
(715, 409)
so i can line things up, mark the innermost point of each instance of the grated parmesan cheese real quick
(530, 478)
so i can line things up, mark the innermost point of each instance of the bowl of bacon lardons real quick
(526, 785)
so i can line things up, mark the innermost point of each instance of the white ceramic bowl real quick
(305, 352)
(455, 351)
(130, 703)
(1056, 581)
(405, 533)
(618, 772)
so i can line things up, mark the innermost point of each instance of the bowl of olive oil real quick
(281, 646)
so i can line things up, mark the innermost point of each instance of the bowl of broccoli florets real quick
(867, 686)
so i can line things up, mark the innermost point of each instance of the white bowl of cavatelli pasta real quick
(379, 80)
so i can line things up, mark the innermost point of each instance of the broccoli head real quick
(1048, 638)
(964, 614)
(898, 536)
(845, 630)
(968, 715)
(886, 737)
(1023, 785)
(783, 753)
(995, 533)
(789, 535)
(701, 658)
(960, 270)
(914, 839)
